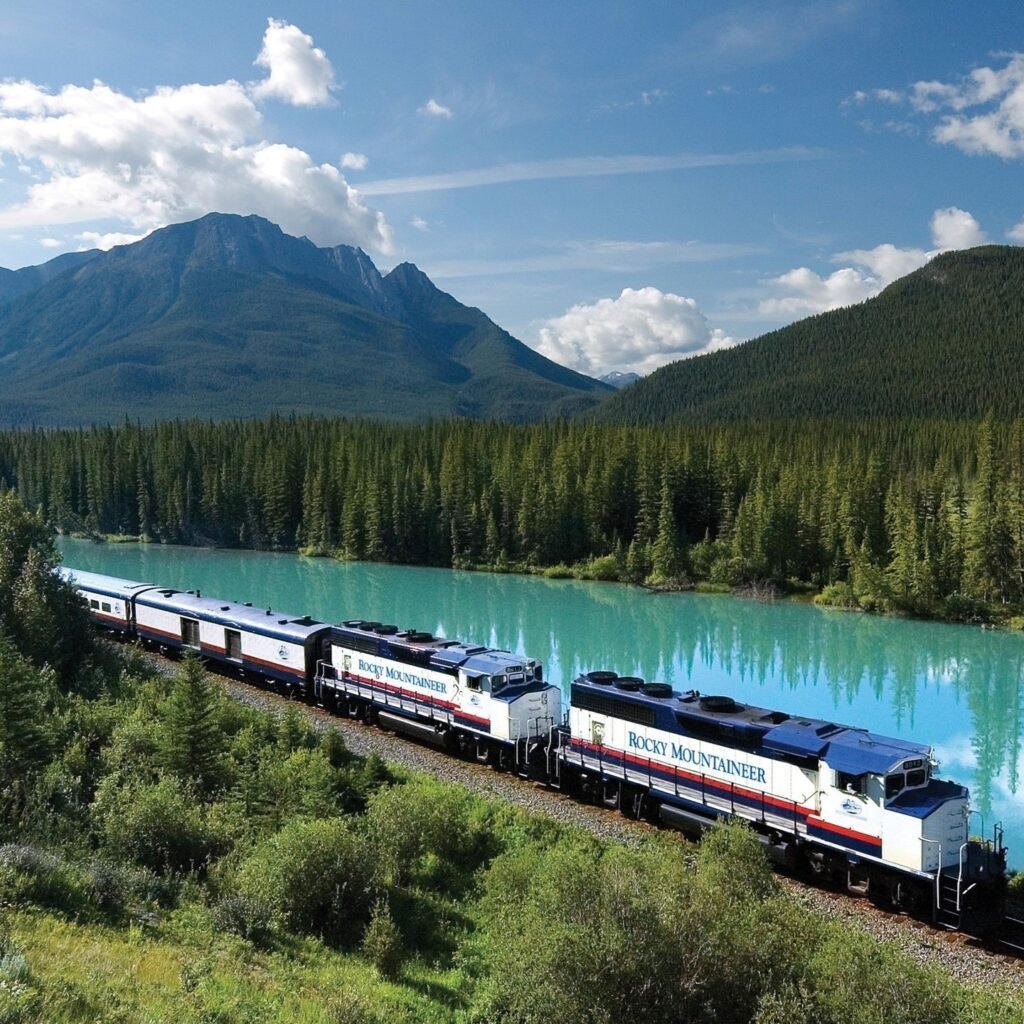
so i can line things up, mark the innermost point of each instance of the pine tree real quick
(192, 743)
(666, 557)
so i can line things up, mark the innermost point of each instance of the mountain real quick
(619, 380)
(228, 316)
(946, 341)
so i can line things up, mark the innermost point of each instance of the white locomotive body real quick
(844, 800)
(490, 701)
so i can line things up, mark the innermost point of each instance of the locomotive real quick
(845, 805)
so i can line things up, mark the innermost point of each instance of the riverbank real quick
(841, 596)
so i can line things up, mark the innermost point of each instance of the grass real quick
(181, 970)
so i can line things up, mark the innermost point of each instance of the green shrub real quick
(837, 595)
(244, 915)
(312, 876)
(31, 875)
(433, 833)
(382, 942)
(159, 825)
(605, 567)
(558, 572)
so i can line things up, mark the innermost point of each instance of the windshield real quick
(894, 785)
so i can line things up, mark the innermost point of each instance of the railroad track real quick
(1011, 937)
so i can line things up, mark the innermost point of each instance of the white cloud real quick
(50, 243)
(300, 72)
(803, 292)
(354, 161)
(420, 224)
(166, 156)
(1016, 233)
(980, 113)
(953, 228)
(640, 330)
(106, 240)
(434, 109)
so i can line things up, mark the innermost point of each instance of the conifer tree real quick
(192, 742)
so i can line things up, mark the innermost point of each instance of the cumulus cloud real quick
(434, 109)
(299, 72)
(979, 113)
(419, 224)
(50, 243)
(142, 161)
(802, 291)
(354, 161)
(642, 329)
(953, 228)
(106, 240)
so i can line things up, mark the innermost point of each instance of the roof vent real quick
(386, 630)
(225, 607)
(659, 690)
(720, 705)
(247, 604)
(601, 677)
(629, 683)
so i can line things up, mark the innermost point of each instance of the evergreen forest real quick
(922, 518)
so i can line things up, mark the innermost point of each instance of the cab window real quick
(481, 684)
(498, 684)
(851, 783)
(894, 784)
(916, 777)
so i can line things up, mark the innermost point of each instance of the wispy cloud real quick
(611, 256)
(585, 167)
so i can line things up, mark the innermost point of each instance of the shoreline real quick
(767, 592)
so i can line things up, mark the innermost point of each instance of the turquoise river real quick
(958, 688)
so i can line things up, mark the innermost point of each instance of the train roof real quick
(279, 625)
(723, 720)
(436, 651)
(111, 586)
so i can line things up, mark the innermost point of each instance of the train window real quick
(105, 606)
(894, 784)
(497, 684)
(94, 604)
(233, 644)
(479, 684)
(851, 783)
(190, 632)
(917, 777)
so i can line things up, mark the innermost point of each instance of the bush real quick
(605, 567)
(837, 595)
(31, 875)
(314, 877)
(116, 888)
(244, 915)
(433, 833)
(382, 942)
(158, 825)
(558, 572)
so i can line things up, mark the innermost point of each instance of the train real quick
(842, 805)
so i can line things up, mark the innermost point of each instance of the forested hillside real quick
(946, 341)
(926, 518)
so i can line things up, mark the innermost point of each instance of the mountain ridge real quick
(230, 316)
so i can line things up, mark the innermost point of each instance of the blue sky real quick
(619, 184)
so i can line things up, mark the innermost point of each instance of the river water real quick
(957, 688)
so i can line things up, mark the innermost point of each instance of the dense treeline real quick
(926, 518)
(169, 854)
(944, 341)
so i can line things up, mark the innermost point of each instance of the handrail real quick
(938, 872)
(960, 876)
